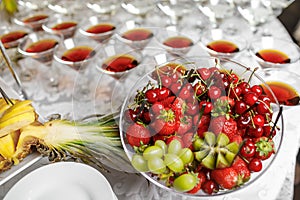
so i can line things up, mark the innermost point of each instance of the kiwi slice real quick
(215, 151)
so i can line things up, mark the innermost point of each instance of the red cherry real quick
(263, 108)
(240, 107)
(192, 108)
(162, 93)
(204, 73)
(208, 106)
(166, 81)
(151, 95)
(256, 132)
(210, 186)
(130, 115)
(175, 87)
(248, 149)
(243, 121)
(257, 89)
(186, 91)
(214, 92)
(245, 87)
(255, 165)
(258, 120)
(235, 92)
(250, 98)
(199, 88)
(233, 78)
(230, 101)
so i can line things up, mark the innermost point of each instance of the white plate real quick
(61, 181)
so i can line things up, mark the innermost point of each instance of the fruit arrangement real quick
(200, 129)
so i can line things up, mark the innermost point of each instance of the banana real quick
(17, 122)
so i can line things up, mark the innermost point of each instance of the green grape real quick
(152, 151)
(186, 155)
(185, 182)
(162, 145)
(197, 144)
(174, 162)
(156, 165)
(174, 147)
(139, 163)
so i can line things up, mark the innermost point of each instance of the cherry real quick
(166, 81)
(192, 108)
(186, 91)
(151, 95)
(263, 107)
(240, 107)
(235, 92)
(214, 92)
(199, 88)
(229, 100)
(146, 117)
(243, 121)
(258, 120)
(130, 115)
(250, 98)
(248, 149)
(245, 87)
(257, 89)
(204, 73)
(175, 87)
(255, 165)
(256, 132)
(156, 108)
(210, 186)
(233, 78)
(208, 106)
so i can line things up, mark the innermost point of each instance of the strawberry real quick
(241, 167)
(201, 179)
(137, 135)
(165, 123)
(187, 139)
(203, 125)
(167, 102)
(222, 125)
(179, 107)
(264, 147)
(174, 137)
(185, 125)
(227, 177)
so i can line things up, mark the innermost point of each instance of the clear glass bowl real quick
(190, 63)
(289, 48)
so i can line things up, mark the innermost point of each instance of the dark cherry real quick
(240, 107)
(255, 165)
(257, 89)
(243, 121)
(258, 120)
(235, 92)
(210, 186)
(256, 131)
(248, 149)
(199, 88)
(206, 107)
(250, 98)
(151, 95)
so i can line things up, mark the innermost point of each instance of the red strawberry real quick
(203, 125)
(165, 123)
(137, 135)
(227, 177)
(241, 167)
(185, 125)
(179, 107)
(187, 139)
(222, 125)
(168, 101)
(201, 179)
(264, 147)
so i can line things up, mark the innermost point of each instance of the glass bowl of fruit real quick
(271, 52)
(201, 126)
(219, 44)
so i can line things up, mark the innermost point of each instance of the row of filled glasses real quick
(255, 12)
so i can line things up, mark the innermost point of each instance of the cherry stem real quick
(276, 120)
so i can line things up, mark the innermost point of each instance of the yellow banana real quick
(7, 146)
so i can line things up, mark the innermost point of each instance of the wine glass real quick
(61, 25)
(33, 4)
(272, 52)
(67, 7)
(254, 12)
(103, 7)
(98, 28)
(117, 60)
(138, 8)
(78, 57)
(134, 35)
(220, 44)
(175, 10)
(277, 5)
(175, 42)
(216, 10)
(40, 46)
(32, 19)
(10, 37)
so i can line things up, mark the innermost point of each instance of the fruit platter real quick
(201, 126)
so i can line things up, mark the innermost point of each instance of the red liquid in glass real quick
(78, 54)
(285, 94)
(178, 42)
(64, 25)
(12, 36)
(120, 63)
(223, 46)
(41, 45)
(137, 34)
(274, 56)
(35, 18)
(100, 28)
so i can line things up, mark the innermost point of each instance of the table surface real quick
(105, 89)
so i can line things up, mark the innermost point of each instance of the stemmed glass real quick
(67, 7)
(277, 5)
(33, 4)
(32, 19)
(175, 10)
(134, 35)
(78, 57)
(98, 28)
(103, 7)
(138, 8)
(40, 46)
(216, 10)
(254, 12)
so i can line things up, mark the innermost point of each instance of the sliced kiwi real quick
(214, 152)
